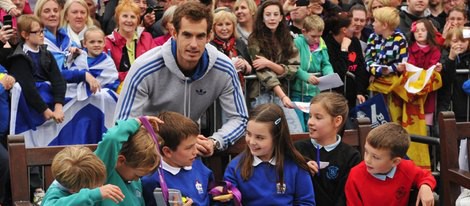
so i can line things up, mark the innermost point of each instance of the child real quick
(129, 153)
(386, 48)
(270, 171)
(101, 67)
(32, 65)
(313, 59)
(328, 114)
(273, 54)
(417, 109)
(79, 177)
(6, 83)
(182, 170)
(384, 177)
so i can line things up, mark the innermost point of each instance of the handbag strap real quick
(149, 128)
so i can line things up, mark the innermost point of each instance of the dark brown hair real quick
(193, 11)
(282, 143)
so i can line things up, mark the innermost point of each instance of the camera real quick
(7, 20)
(158, 10)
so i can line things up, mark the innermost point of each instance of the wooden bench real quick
(355, 137)
(450, 133)
(22, 158)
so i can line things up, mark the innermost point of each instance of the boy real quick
(182, 170)
(313, 59)
(128, 152)
(384, 177)
(101, 66)
(79, 177)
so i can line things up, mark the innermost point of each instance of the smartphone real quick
(7, 20)
(174, 197)
(302, 2)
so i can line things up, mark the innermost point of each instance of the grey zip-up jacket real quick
(155, 84)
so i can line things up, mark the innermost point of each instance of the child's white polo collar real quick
(173, 170)
(257, 161)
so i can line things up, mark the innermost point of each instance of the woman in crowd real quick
(273, 54)
(129, 40)
(245, 11)
(225, 40)
(76, 19)
(457, 17)
(167, 25)
(348, 61)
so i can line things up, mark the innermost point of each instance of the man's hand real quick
(425, 196)
(205, 146)
(112, 192)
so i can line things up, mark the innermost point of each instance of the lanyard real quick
(149, 128)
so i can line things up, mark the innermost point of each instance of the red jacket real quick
(115, 42)
(425, 58)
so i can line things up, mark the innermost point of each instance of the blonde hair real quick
(140, 151)
(251, 4)
(457, 32)
(77, 167)
(387, 15)
(68, 3)
(127, 5)
(385, 3)
(93, 29)
(24, 24)
(313, 22)
(390, 136)
(222, 15)
(168, 16)
(40, 5)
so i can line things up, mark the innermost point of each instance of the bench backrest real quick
(450, 133)
(22, 158)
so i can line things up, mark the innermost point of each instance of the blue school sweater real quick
(193, 182)
(263, 188)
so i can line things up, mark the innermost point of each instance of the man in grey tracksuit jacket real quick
(155, 83)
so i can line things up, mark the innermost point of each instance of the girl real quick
(245, 11)
(423, 53)
(226, 41)
(459, 57)
(272, 52)
(75, 19)
(270, 171)
(414, 110)
(349, 62)
(129, 40)
(331, 159)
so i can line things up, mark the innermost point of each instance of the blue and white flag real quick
(374, 108)
(86, 116)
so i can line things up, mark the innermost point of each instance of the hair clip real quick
(278, 120)
(413, 27)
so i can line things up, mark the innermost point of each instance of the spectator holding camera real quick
(129, 40)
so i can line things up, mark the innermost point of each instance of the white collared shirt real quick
(27, 49)
(173, 170)
(257, 161)
(383, 177)
(330, 147)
